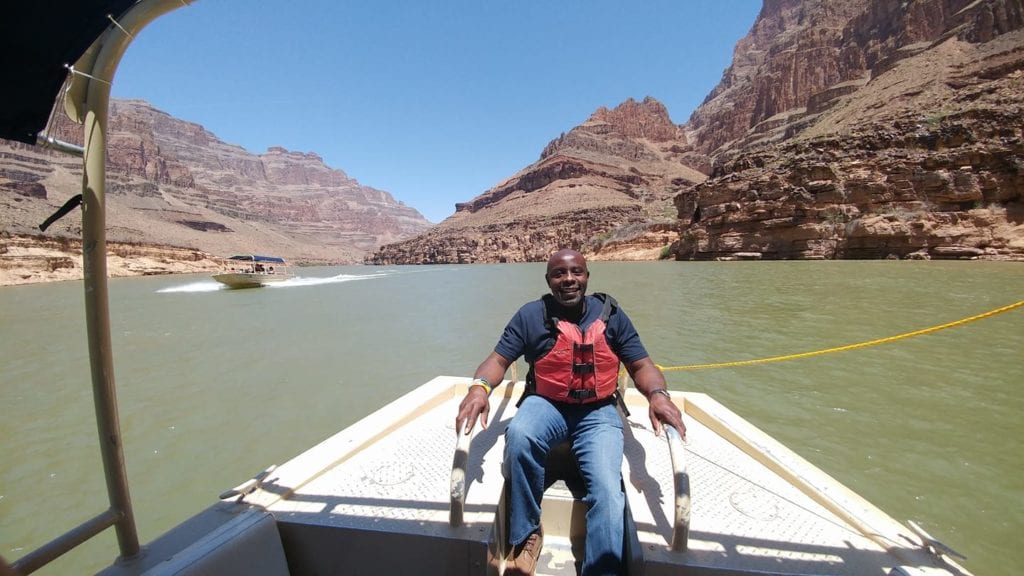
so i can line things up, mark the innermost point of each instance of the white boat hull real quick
(375, 498)
(249, 279)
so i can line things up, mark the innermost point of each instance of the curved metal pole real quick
(110, 48)
(97, 319)
(681, 482)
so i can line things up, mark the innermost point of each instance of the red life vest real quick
(581, 367)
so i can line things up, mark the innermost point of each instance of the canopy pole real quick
(99, 71)
(97, 316)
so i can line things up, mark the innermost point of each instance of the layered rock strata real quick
(30, 259)
(612, 177)
(856, 129)
(914, 152)
(173, 183)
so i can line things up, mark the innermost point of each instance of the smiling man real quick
(574, 344)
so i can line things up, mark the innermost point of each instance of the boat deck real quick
(770, 512)
(377, 498)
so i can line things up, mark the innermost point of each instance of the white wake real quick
(213, 286)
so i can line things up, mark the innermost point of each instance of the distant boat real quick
(252, 271)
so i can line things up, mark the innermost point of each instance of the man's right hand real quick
(474, 405)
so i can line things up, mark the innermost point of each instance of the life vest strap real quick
(583, 358)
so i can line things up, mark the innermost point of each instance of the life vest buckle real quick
(582, 394)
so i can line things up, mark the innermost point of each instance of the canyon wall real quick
(173, 183)
(872, 129)
(855, 129)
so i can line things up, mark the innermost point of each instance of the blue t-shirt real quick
(525, 335)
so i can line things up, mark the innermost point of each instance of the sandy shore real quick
(31, 260)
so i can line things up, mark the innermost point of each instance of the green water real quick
(215, 385)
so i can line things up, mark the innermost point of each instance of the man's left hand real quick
(663, 411)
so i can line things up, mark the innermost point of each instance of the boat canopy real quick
(256, 258)
(39, 42)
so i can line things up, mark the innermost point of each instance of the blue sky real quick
(434, 102)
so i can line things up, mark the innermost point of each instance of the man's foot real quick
(523, 560)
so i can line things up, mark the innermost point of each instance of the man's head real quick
(567, 276)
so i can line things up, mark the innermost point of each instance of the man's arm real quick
(475, 404)
(649, 380)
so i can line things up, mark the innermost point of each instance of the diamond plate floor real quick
(378, 494)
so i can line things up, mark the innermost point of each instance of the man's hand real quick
(651, 383)
(474, 405)
(663, 411)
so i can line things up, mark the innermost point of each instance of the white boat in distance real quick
(399, 492)
(252, 271)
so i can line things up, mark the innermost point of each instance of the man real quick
(573, 344)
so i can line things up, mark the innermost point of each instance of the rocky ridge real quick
(31, 259)
(913, 151)
(859, 129)
(173, 183)
(616, 172)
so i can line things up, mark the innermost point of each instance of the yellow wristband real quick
(482, 382)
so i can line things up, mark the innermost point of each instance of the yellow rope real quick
(847, 347)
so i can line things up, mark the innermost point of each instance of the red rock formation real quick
(172, 182)
(617, 171)
(855, 129)
(913, 150)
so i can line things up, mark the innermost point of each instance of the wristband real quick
(662, 391)
(482, 382)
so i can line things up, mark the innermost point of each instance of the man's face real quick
(567, 277)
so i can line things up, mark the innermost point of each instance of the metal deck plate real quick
(744, 516)
(382, 488)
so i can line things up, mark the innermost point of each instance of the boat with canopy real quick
(251, 271)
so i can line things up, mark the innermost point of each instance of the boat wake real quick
(204, 286)
(213, 286)
(303, 281)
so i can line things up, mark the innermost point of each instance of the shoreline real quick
(26, 259)
(34, 260)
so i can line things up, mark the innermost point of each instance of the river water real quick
(215, 385)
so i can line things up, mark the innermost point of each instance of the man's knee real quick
(521, 439)
(606, 493)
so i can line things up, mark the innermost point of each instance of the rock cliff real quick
(871, 129)
(855, 129)
(174, 183)
(31, 259)
(603, 183)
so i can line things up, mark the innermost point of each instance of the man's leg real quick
(536, 427)
(597, 443)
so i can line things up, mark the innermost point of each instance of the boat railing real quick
(681, 489)
(680, 476)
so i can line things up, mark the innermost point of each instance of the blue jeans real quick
(596, 435)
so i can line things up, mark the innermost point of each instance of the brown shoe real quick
(523, 561)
